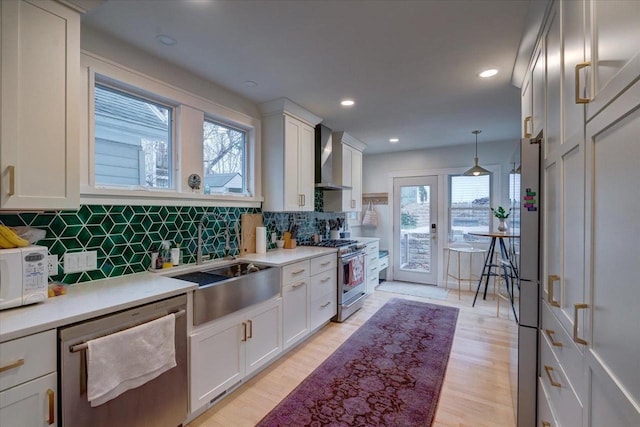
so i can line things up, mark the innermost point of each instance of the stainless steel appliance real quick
(351, 276)
(161, 402)
(529, 280)
(23, 276)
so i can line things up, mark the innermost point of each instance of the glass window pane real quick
(470, 202)
(132, 140)
(224, 159)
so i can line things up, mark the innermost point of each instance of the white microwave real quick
(23, 276)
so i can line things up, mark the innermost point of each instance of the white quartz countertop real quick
(366, 239)
(280, 257)
(91, 299)
(87, 300)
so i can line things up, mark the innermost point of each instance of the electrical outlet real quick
(53, 265)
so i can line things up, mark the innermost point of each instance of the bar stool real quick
(508, 279)
(458, 249)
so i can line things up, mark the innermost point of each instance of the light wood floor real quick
(476, 391)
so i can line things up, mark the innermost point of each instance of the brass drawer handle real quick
(549, 369)
(297, 285)
(12, 365)
(250, 322)
(326, 304)
(550, 334)
(576, 338)
(579, 99)
(244, 335)
(552, 278)
(298, 271)
(51, 396)
(546, 424)
(326, 279)
(325, 263)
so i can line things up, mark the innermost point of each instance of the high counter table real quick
(488, 264)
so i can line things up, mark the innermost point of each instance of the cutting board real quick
(249, 222)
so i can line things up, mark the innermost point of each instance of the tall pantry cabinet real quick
(587, 65)
(39, 127)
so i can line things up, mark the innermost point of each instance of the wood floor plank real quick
(477, 389)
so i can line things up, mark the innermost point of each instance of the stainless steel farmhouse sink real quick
(231, 288)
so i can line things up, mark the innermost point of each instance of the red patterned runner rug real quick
(388, 373)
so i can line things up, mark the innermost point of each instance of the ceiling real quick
(411, 66)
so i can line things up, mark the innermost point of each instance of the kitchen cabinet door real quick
(264, 338)
(295, 311)
(348, 160)
(32, 404)
(614, 38)
(39, 126)
(526, 107)
(538, 93)
(217, 360)
(608, 319)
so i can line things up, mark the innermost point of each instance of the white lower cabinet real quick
(371, 266)
(30, 404)
(295, 296)
(28, 381)
(324, 294)
(225, 351)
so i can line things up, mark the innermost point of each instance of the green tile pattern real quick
(124, 236)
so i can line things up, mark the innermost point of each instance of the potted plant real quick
(502, 216)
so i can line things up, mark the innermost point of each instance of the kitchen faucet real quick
(227, 246)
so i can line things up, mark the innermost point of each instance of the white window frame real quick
(189, 113)
(245, 168)
(450, 208)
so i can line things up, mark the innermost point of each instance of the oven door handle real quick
(346, 258)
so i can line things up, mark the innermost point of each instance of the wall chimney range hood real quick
(324, 161)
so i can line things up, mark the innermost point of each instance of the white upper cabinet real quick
(40, 75)
(287, 156)
(347, 171)
(614, 38)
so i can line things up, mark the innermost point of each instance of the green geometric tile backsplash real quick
(125, 236)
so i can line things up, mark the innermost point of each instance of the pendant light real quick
(476, 170)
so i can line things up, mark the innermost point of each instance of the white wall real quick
(379, 170)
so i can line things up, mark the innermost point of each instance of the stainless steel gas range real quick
(351, 276)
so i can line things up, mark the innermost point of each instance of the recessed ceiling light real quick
(166, 40)
(488, 73)
(347, 102)
(249, 83)
(393, 140)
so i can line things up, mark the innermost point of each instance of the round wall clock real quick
(194, 181)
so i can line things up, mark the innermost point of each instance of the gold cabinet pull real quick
(546, 424)
(52, 405)
(12, 365)
(297, 285)
(579, 99)
(326, 279)
(549, 369)
(325, 264)
(244, 334)
(250, 322)
(550, 333)
(576, 338)
(298, 271)
(325, 304)
(12, 180)
(552, 301)
(528, 121)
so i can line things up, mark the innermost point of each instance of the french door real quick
(415, 231)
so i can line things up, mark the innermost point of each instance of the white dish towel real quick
(130, 358)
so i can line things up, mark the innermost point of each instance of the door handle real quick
(552, 278)
(576, 338)
(550, 334)
(528, 121)
(250, 322)
(549, 369)
(52, 405)
(579, 99)
(244, 335)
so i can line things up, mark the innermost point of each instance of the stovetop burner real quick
(333, 243)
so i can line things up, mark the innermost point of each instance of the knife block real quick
(290, 244)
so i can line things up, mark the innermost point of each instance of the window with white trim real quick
(469, 207)
(133, 140)
(224, 156)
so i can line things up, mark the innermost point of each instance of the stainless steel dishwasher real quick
(161, 402)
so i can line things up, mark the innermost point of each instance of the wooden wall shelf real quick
(375, 198)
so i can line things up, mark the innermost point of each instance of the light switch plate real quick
(76, 262)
